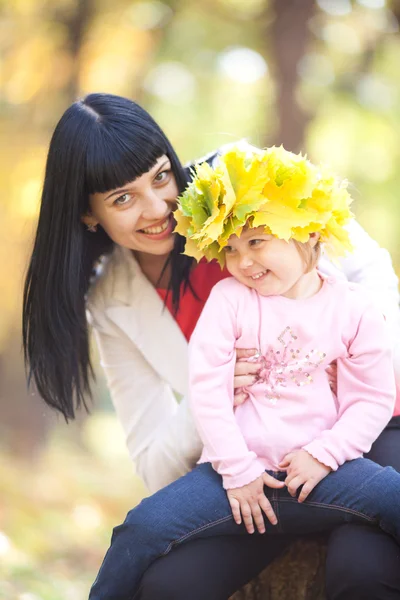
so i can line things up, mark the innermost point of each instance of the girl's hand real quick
(245, 373)
(302, 469)
(248, 501)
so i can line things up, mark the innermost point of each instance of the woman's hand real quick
(331, 371)
(302, 469)
(248, 501)
(245, 373)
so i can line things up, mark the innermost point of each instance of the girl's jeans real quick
(196, 506)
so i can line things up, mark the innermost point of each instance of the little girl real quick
(289, 459)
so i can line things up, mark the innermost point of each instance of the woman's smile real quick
(159, 230)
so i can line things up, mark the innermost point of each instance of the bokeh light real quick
(242, 65)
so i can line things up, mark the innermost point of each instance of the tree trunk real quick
(76, 24)
(297, 575)
(289, 41)
(25, 421)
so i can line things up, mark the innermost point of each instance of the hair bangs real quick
(116, 157)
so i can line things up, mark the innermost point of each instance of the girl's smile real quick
(260, 275)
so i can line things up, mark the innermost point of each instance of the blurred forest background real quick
(318, 75)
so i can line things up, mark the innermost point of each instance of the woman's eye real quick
(122, 200)
(162, 176)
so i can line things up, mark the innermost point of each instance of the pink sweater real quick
(292, 406)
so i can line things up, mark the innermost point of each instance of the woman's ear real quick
(89, 220)
(314, 239)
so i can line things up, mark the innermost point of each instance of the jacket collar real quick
(140, 313)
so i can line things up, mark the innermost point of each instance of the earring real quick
(92, 228)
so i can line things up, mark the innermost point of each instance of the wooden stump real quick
(297, 575)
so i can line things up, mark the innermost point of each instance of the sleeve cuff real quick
(235, 481)
(316, 451)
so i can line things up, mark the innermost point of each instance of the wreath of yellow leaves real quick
(281, 191)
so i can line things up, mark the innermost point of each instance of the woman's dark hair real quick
(101, 142)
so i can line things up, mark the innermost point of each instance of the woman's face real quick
(138, 215)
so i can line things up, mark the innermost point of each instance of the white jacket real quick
(144, 354)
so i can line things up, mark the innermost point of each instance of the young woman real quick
(111, 183)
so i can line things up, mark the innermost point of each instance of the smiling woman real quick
(101, 170)
(111, 184)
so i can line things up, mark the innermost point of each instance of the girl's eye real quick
(229, 249)
(162, 176)
(123, 200)
(256, 242)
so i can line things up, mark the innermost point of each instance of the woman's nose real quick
(154, 206)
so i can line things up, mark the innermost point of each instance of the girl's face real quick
(267, 264)
(138, 215)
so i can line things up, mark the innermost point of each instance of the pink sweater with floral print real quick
(292, 406)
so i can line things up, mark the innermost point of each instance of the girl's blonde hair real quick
(309, 254)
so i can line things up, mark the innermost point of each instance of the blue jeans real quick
(196, 506)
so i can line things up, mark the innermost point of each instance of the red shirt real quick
(203, 278)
